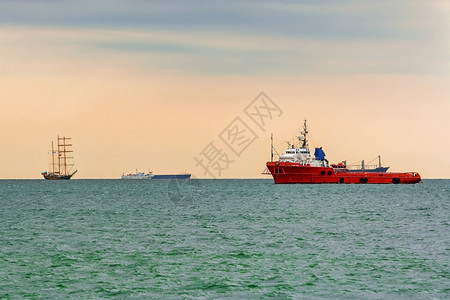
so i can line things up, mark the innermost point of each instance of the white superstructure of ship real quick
(301, 154)
(138, 175)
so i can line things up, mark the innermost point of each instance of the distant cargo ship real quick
(172, 176)
(61, 167)
(150, 175)
(298, 166)
(363, 167)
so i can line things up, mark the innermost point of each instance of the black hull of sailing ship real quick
(57, 177)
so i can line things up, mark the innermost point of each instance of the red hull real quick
(288, 172)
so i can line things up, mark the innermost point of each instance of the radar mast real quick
(302, 136)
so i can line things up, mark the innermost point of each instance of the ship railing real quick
(359, 167)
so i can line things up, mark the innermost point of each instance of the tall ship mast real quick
(61, 165)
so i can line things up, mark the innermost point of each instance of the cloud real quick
(205, 52)
(348, 19)
(251, 37)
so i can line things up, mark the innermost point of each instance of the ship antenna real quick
(271, 147)
(305, 133)
(59, 157)
(53, 159)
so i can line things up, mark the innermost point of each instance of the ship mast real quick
(53, 159)
(63, 152)
(64, 147)
(271, 147)
(302, 136)
(305, 130)
(59, 158)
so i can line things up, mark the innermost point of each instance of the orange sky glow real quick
(153, 110)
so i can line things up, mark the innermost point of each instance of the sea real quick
(223, 239)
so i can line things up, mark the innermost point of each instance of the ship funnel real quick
(319, 154)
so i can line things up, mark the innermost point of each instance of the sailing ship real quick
(61, 165)
(298, 166)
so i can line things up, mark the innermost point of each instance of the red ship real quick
(298, 166)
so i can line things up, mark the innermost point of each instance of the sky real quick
(199, 86)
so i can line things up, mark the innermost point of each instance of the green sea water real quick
(223, 239)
